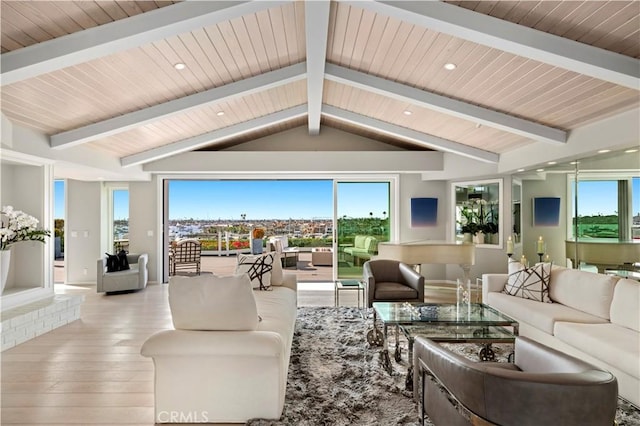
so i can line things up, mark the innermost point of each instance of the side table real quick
(353, 285)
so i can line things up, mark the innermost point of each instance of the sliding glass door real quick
(362, 212)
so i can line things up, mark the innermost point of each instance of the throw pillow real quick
(113, 265)
(210, 302)
(529, 283)
(123, 261)
(117, 262)
(258, 267)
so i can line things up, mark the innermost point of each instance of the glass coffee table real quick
(441, 322)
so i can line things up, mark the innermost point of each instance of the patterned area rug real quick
(336, 379)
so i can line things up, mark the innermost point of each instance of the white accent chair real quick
(134, 278)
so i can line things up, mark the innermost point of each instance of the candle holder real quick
(541, 248)
(509, 247)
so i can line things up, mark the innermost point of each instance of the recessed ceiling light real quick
(179, 66)
(604, 151)
(407, 112)
(478, 125)
(574, 162)
(450, 66)
(220, 113)
(539, 170)
(521, 170)
(629, 151)
(551, 163)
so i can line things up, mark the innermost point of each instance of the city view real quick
(302, 210)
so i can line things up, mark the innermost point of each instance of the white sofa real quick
(594, 317)
(229, 376)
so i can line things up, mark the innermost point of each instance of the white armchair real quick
(134, 278)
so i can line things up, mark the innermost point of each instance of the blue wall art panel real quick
(546, 211)
(424, 212)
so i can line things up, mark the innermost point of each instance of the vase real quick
(256, 246)
(479, 238)
(5, 259)
(467, 237)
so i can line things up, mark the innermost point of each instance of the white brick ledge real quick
(25, 322)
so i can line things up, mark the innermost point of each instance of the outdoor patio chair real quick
(185, 255)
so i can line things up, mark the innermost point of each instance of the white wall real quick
(555, 185)
(144, 228)
(298, 139)
(412, 186)
(23, 187)
(83, 231)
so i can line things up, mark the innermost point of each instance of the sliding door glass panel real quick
(120, 216)
(362, 218)
(58, 221)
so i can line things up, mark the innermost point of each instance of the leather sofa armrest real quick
(369, 282)
(413, 279)
(455, 372)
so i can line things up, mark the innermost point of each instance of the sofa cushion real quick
(277, 309)
(625, 307)
(611, 343)
(529, 283)
(393, 290)
(585, 291)
(359, 241)
(258, 267)
(209, 302)
(371, 244)
(540, 315)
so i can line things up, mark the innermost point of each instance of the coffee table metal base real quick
(440, 322)
(484, 336)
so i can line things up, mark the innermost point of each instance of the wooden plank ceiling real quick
(498, 86)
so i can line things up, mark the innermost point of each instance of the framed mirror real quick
(516, 212)
(476, 206)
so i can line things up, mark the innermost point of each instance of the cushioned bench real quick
(363, 248)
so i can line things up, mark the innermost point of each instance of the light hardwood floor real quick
(91, 371)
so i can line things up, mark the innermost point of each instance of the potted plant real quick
(468, 226)
(16, 226)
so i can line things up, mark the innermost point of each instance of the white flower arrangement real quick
(16, 226)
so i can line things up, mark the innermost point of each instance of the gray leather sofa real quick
(134, 278)
(543, 387)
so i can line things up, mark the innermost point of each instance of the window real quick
(605, 208)
(120, 215)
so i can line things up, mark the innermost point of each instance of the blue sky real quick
(598, 197)
(308, 199)
(280, 199)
